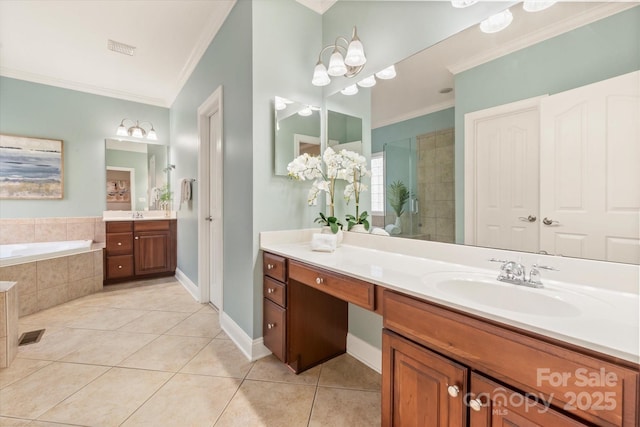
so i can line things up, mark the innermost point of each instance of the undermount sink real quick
(488, 291)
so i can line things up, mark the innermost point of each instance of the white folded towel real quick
(393, 229)
(324, 242)
(185, 190)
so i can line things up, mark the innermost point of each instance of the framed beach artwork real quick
(30, 168)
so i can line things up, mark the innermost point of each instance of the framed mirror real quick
(422, 122)
(135, 173)
(296, 131)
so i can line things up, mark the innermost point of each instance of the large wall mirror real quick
(136, 173)
(494, 141)
(296, 131)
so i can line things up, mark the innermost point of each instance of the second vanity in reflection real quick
(444, 364)
(139, 248)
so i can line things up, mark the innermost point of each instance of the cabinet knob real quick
(453, 390)
(475, 404)
(270, 266)
(119, 266)
(270, 290)
(271, 325)
(136, 237)
(119, 243)
(319, 280)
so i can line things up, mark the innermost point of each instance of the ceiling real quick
(64, 43)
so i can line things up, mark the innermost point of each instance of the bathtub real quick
(21, 253)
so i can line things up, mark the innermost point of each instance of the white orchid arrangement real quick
(345, 165)
(355, 167)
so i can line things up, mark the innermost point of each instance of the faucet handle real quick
(503, 261)
(544, 267)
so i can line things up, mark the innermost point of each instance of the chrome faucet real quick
(136, 214)
(515, 273)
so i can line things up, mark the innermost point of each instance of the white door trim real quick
(212, 105)
(471, 121)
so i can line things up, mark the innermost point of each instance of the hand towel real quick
(324, 242)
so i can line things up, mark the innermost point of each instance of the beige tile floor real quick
(147, 354)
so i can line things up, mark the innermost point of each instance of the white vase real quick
(358, 228)
(339, 235)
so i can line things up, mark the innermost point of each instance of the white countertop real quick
(600, 319)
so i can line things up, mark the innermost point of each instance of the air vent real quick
(122, 48)
(30, 337)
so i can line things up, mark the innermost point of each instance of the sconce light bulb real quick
(320, 76)
(387, 73)
(463, 3)
(151, 135)
(349, 90)
(336, 65)
(497, 22)
(367, 82)
(537, 5)
(122, 131)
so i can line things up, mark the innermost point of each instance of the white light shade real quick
(387, 73)
(136, 132)
(367, 82)
(336, 65)
(355, 54)
(537, 5)
(152, 135)
(320, 76)
(497, 22)
(122, 131)
(349, 90)
(306, 111)
(463, 3)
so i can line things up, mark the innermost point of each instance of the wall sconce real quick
(136, 130)
(349, 65)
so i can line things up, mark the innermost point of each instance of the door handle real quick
(209, 218)
(547, 221)
(530, 218)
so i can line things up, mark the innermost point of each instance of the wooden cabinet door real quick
(152, 252)
(419, 387)
(496, 406)
(274, 329)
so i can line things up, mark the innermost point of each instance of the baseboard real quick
(191, 287)
(252, 349)
(365, 352)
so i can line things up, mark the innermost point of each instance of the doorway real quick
(210, 218)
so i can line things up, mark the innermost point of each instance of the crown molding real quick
(318, 6)
(207, 36)
(81, 87)
(560, 27)
(413, 114)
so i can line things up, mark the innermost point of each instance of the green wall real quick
(294, 124)
(604, 49)
(82, 121)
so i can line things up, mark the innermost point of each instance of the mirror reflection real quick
(344, 131)
(297, 131)
(485, 136)
(136, 173)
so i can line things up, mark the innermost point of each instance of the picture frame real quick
(31, 168)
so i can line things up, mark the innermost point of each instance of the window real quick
(377, 183)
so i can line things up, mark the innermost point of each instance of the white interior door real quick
(590, 171)
(215, 226)
(501, 176)
(210, 196)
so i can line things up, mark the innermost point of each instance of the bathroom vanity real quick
(139, 248)
(450, 358)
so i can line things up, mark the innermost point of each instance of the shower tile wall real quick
(436, 185)
(30, 230)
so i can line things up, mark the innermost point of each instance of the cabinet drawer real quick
(275, 291)
(503, 407)
(119, 266)
(119, 244)
(119, 226)
(274, 329)
(343, 287)
(274, 266)
(549, 371)
(151, 225)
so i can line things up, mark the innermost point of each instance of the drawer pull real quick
(119, 266)
(271, 325)
(136, 237)
(270, 290)
(475, 404)
(453, 390)
(319, 280)
(270, 266)
(119, 243)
